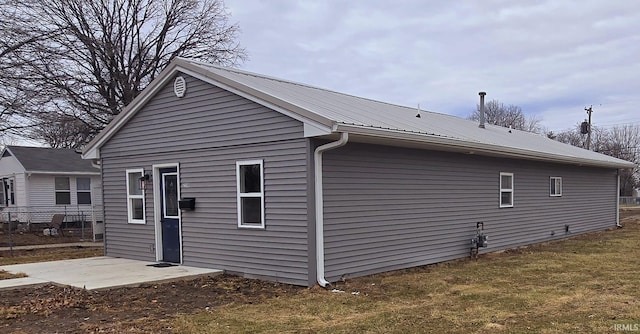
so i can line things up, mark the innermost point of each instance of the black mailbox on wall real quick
(187, 203)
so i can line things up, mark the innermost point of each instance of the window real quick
(83, 188)
(11, 198)
(170, 196)
(135, 197)
(250, 188)
(3, 191)
(555, 186)
(506, 190)
(6, 193)
(63, 192)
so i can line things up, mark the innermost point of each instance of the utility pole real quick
(589, 111)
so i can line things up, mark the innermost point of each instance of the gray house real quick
(221, 168)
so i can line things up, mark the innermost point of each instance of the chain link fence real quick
(87, 221)
(629, 201)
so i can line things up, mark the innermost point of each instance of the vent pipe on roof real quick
(482, 94)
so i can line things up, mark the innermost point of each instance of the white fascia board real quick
(91, 153)
(14, 158)
(316, 130)
(264, 99)
(452, 144)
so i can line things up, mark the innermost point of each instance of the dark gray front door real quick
(170, 219)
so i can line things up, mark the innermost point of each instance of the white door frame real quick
(157, 207)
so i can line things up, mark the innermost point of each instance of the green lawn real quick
(586, 284)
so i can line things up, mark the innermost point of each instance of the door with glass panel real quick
(169, 215)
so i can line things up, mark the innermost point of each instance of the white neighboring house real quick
(37, 182)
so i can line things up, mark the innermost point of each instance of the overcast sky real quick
(552, 58)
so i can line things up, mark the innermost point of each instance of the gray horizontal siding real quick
(206, 132)
(134, 241)
(389, 208)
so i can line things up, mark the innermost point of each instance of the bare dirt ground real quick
(146, 309)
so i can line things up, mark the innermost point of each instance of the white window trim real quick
(3, 193)
(552, 180)
(78, 191)
(56, 190)
(503, 190)
(257, 194)
(8, 192)
(130, 219)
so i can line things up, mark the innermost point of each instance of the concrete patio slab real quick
(100, 273)
(22, 282)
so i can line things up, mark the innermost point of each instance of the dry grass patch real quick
(585, 284)
(48, 254)
(8, 275)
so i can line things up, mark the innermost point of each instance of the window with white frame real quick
(555, 186)
(7, 192)
(12, 198)
(250, 192)
(506, 190)
(3, 193)
(63, 190)
(135, 197)
(83, 190)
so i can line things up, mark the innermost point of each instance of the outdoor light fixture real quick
(143, 181)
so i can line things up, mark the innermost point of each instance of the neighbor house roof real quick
(326, 112)
(50, 160)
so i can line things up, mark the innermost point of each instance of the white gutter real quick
(96, 163)
(618, 201)
(317, 157)
(449, 144)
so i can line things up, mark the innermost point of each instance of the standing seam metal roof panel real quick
(352, 110)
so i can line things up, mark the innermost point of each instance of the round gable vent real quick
(179, 86)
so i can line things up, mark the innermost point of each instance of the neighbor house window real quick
(135, 196)
(83, 188)
(63, 191)
(555, 186)
(506, 190)
(7, 192)
(250, 190)
(12, 197)
(3, 193)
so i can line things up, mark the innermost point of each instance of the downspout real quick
(618, 200)
(317, 157)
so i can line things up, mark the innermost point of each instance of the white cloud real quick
(553, 58)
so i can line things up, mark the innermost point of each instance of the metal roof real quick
(51, 160)
(337, 112)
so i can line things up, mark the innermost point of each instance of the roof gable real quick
(324, 112)
(51, 160)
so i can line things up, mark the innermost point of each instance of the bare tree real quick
(510, 116)
(622, 142)
(16, 93)
(99, 55)
(60, 131)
